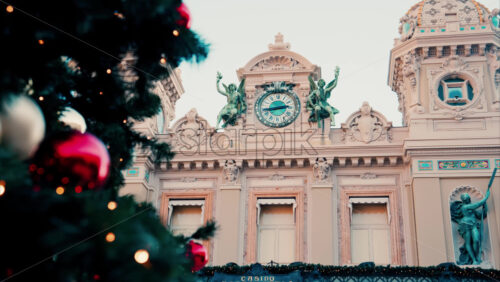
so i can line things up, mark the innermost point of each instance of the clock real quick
(278, 106)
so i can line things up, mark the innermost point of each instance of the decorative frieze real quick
(463, 164)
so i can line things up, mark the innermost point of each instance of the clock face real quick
(277, 109)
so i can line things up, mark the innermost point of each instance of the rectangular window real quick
(185, 216)
(370, 230)
(276, 230)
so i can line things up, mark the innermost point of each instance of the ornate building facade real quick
(285, 189)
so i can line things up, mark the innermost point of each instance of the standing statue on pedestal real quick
(317, 104)
(470, 226)
(236, 104)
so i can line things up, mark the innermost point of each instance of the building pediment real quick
(279, 58)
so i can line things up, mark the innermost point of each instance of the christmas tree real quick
(98, 61)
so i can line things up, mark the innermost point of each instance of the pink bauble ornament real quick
(198, 255)
(185, 16)
(72, 158)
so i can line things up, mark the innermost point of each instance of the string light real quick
(163, 60)
(41, 42)
(100, 93)
(112, 205)
(119, 15)
(121, 159)
(41, 98)
(108, 71)
(60, 190)
(175, 32)
(141, 256)
(110, 237)
(124, 121)
(2, 187)
(78, 189)
(9, 9)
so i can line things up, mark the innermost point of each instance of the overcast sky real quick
(356, 35)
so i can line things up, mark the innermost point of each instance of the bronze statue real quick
(317, 103)
(470, 221)
(236, 103)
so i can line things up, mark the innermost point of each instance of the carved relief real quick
(368, 175)
(277, 177)
(321, 170)
(366, 126)
(274, 63)
(231, 171)
(494, 68)
(407, 27)
(189, 179)
(190, 131)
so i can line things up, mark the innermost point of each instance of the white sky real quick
(356, 35)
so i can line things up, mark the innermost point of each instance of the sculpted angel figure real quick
(469, 221)
(236, 103)
(317, 104)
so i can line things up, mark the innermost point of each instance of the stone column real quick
(322, 241)
(429, 221)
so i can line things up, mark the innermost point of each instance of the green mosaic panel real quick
(463, 164)
(425, 165)
(133, 172)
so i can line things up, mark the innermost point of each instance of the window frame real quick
(274, 202)
(396, 228)
(252, 228)
(371, 227)
(205, 195)
(184, 203)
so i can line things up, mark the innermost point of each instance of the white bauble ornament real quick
(23, 125)
(73, 119)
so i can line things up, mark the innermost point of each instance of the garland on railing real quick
(364, 269)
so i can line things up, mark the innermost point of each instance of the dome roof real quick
(438, 16)
(430, 13)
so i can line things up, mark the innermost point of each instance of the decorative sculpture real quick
(470, 225)
(231, 171)
(317, 103)
(321, 170)
(236, 104)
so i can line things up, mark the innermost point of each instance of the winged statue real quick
(317, 104)
(236, 102)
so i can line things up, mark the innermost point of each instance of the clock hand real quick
(276, 108)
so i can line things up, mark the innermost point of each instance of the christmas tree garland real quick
(363, 270)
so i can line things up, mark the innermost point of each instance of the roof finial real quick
(279, 44)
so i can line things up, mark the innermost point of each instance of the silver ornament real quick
(73, 119)
(23, 125)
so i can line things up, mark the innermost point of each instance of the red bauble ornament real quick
(198, 254)
(184, 16)
(71, 158)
